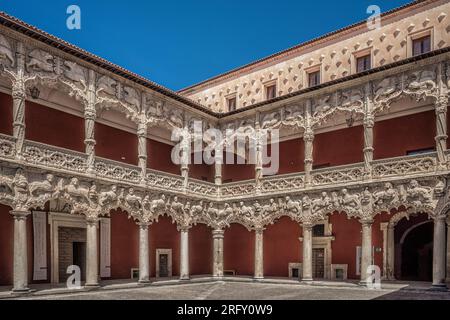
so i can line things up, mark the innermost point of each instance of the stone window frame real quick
(417, 35)
(266, 84)
(359, 54)
(344, 268)
(295, 265)
(229, 97)
(310, 70)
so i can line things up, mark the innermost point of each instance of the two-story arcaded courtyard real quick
(87, 176)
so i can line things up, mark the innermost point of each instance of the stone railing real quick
(7, 146)
(241, 188)
(282, 183)
(164, 181)
(204, 188)
(408, 165)
(338, 175)
(70, 162)
(114, 170)
(48, 156)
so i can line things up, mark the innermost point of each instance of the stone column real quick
(441, 132)
(441, 119)
(366, 251)
(369, 123)
(185, 157)
(142, 149)
(218, 236)
(144, 255)
(184, 252)
(259, 254)
(91, 252)
(259, 166)
(308, 138)
(384, 228)
(20, 266)
(90, 115)
(307, 253)
(218, 173)
(18, 96)
(391, 253)
(439, 254)
(448, 249)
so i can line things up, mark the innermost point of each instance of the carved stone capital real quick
(20, 215)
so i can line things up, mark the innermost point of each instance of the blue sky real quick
(179, 43)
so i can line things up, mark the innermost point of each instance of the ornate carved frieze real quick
(25, 190)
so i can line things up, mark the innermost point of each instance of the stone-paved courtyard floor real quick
(251, 291)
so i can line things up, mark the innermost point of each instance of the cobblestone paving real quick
(249, 291)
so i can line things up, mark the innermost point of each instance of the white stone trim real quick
(296, 265)
(57, 220)
(40, 268)
(169, 262)
(335, 267)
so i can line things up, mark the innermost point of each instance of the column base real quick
(144, 281)
(22, 291)
(307, 280)
(185, 278)
(258, 278)
(439, 287)
(92, 286)
(363, 283)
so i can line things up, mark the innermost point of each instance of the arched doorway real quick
(414, 249)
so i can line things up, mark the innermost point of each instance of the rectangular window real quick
(421, 45)
(271, 92)
(231, 104)
(363, 64)
(319, 230)
(314, 79)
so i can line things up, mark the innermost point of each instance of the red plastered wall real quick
(116, 144)
(6, 114)
(395, 137)
(160, 157)
(54, 127)
(281, 247)
(239, 250)
(164, 235)
(201, 171)
(291, 156)
(339, 147)
(200, 250)
(6, 246)
(124, 245)
(348, 237)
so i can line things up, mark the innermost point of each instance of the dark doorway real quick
(79, 257)
(319, 263)
(163, 265)
(417, 254)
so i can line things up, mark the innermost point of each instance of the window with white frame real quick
(271, 91)
(231, 103)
